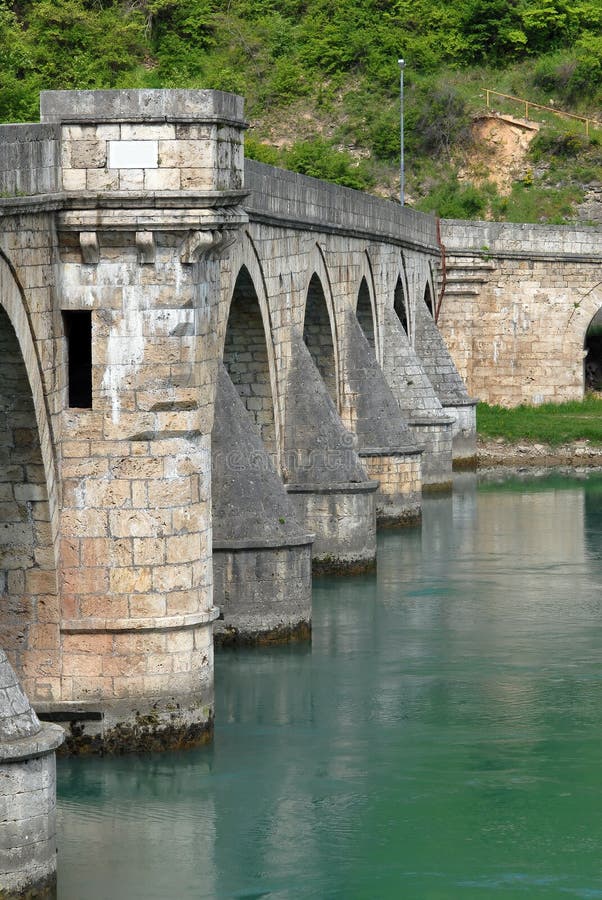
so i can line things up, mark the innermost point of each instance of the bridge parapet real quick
(29, 161)
(152, 140)
(311, 204)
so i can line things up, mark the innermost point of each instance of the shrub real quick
(562, 146)
(553, 73)
(319, 159)
(265, 153)
(453, 200)
(587, 76)
(437, 118)
(535, 204)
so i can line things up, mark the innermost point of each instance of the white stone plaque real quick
(133, 154)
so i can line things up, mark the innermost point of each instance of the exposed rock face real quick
(501, 145)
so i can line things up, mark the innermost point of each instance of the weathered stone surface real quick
(261, 555)
(147, 106)
(27, 794)
(518, 304)
(126, 214)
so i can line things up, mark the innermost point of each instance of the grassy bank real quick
(550, 423)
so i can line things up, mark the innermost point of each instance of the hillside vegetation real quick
(321, 80)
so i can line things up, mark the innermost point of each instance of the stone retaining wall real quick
(518, 303)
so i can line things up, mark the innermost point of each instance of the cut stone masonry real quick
(145, 253)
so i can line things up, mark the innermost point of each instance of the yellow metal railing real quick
(589, 123)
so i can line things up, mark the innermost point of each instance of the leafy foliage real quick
(334, 55)
(319, 159)
(453, 200)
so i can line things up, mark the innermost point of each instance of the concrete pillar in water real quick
(261, 553)
(27, 795)
(448, 385)
(386, 445)
(324, 476)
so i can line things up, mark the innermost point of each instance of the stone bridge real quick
(518, 309)
(214, 377)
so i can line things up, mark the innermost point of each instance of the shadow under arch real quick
(401, 295)
(592, 346)
(248, 356)
(320, 332)
(428, 299)
(400, 305)
(29, 614)
(365, 314)
(366, 309)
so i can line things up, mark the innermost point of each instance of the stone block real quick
(172, 577)
(162, 179)
(131, 179)
(102, 180)
(143, 132)
(198, 178)
(74, 179)
(136, 579)
(88, 154)
(147, 605)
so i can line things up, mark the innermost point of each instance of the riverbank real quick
(498, 452)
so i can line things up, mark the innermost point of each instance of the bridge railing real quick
(590, 124)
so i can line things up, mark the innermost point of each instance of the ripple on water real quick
(440, 739)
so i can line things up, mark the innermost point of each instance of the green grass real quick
(550, 423)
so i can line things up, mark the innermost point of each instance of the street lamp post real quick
(401, 159)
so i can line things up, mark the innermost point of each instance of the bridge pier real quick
(449, 387)
(324, 476)
(386, 445)
(27, 795)
(387, 327)
(261, 556)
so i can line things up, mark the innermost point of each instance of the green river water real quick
(441, 738)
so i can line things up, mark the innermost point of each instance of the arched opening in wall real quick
(428, 299)
(399, 305)
(246, 357)
(27, 568)
(593, 359)
(317, 335)
(365, 314)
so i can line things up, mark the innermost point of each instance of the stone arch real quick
(366, 309)
(365, 313)
(401, 298)
(29, 615)
(320, 331)
(592, 348)
(432, 288)
(428, 299)
(248, 351)
(582, 317)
